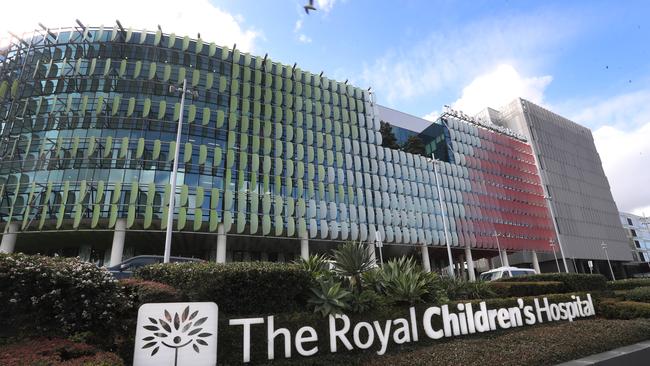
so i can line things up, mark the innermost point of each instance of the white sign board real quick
(591, 264)
(177, 334)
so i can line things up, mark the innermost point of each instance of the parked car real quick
(126, 268)
(505, 272)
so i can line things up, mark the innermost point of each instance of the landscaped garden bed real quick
(86, 316)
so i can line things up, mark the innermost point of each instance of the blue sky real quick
(586, 60)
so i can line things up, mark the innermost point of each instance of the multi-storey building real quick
(575, 184)
(637, 229)
(274, 161)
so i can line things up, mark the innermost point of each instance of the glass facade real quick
(89, 127)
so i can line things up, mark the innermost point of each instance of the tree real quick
(415, 145)
(388, 138)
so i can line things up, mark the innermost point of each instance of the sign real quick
(176, 334)
(186, 333)
(591, 264)
(457, 320)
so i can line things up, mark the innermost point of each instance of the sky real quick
(585, 60)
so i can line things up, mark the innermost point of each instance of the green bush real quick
(640, 294)
(623, 309)
(58, 295)
(329, 298)
(515, 289)
(459, 289)
(628, 284)
(143, 292)
(239, 288)
(572, 281)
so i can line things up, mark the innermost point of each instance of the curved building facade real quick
(268, 152)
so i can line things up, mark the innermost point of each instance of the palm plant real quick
(351, 260)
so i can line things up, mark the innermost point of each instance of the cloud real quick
(304, 39)
(441, 61)
(500, 87)
(325, 5)
(621, 137)
(625, 111)
(432, 116)
(187, 18)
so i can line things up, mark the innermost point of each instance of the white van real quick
(505, 272)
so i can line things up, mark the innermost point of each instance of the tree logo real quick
(170, 329)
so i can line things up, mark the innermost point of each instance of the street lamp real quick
(555, 255)
(444, 222)
(547, 196)
(172, 192)
(604, 245)
(499, 248)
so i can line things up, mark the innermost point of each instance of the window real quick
(633, 232)
(629, 221)
(636, 242)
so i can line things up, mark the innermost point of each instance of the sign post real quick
(379, 245)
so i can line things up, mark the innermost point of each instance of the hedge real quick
(571, 281)
(512, 289)
(144, 292)
(640, 294)
(230, 337)
(238, 288)
(628, 284)
(623, 309)
(58, 295)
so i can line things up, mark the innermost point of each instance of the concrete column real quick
(504, 255)
(461, 266)
(470, 264)
(281, 257)
(536, 263)
(371, 251)
(426, 264)
(8, 244)
(117, 249)
(304, 247)
(84, 252)
(221, 244)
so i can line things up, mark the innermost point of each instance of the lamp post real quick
(496, 236)
(444, 222)
(555, 255)
(547, 196)
(604, 245)
(172, 192)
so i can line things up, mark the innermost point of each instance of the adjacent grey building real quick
(572, 173)
(637, 229)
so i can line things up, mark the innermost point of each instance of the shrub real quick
(62, 295)
(403, 281)
(143, 292)
(640, 294)
(572, 281)
(459, 289)
(329, 298)
(515, 289)
(55, 351)
(238, 288)
(628, 284)
(623, 309)
(316, 264)
(364, 301)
